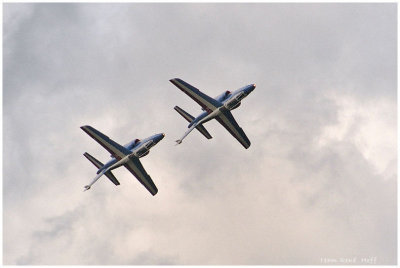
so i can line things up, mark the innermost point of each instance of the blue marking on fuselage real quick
(246, 90)
(223, 96)
(107, 165)
(197, 119)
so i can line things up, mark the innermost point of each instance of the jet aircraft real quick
(218, 108)
(127, 155)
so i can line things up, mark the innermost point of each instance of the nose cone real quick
(250, 88)
(159, 137)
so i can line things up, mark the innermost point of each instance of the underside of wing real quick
(115, 149)
(228, 121)
(206, 102)
(136, 168)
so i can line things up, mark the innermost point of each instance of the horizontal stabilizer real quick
(190, 118)
(94, 161)
(203, 131)
(98, 164)
(184, 114)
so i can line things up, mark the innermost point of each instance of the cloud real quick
(319, 180)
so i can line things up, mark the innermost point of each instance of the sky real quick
(318, 184)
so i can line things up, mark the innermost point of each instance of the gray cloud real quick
(319, 180)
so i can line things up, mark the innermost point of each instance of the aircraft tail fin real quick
(98, 164)
(190, 119)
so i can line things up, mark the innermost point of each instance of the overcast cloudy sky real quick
(318, 182)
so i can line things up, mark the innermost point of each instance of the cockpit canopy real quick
(223, 96)
(132, 144)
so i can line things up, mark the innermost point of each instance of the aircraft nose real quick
(158, 137)
(251, 88)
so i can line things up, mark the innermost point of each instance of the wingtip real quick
(175, 81)
(155, 192)
(178, 142)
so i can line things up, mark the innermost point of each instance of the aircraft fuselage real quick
(230, 101)
(138, 148)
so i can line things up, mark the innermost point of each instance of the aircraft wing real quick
(206, 102)
(136, 168)
(228, 121)
(115, 149)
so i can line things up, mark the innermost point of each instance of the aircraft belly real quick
(197, 119)
(107, 165)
